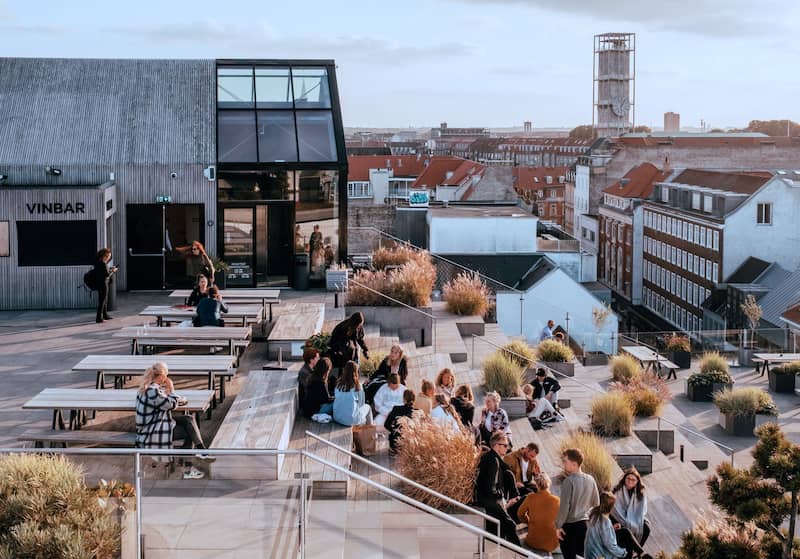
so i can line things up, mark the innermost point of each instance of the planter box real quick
(704, 393)
(761, 419)
(514, 406)
(738, 425)
(683, 359)
(594, 359)
(410, 323)
(781, 383)
(566, 369)
(336, 280)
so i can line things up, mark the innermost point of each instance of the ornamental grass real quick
(597, 461)
(520, 352)
(625, 368)
(398, 255)
(411, 284)
(713, 361)
(435, 456)
(368, 366)
(466, 295)
(647, 393)
(612, 414)
(745, 401)
(554, 352)
(502, 374)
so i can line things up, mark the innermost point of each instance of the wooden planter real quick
(594, 358)
(683, 359)
(705, 392)
(781, 383)
(336, 280)
(738, 425)
(566, 369)
(408, 323)
(514, 406)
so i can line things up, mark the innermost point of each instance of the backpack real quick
(536, 423)
(89, 280)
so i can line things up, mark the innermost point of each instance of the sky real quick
(467, 62)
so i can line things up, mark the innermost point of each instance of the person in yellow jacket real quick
(539, 510)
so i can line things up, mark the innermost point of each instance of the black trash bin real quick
(301, 271)
(111, 305)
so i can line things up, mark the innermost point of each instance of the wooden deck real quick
(295, 323)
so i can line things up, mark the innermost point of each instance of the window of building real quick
(715, 273)
(702, 236)
(685, 235)
(696, 238)
(695, 200)
(764, 214)
(702, 269)
(553, 210)
(664, 194)
(235, 88)
(56, 243)
(708, 270)
(591, 236)
(5, 239)
(690, 289)
(715, 244)
(708, 203)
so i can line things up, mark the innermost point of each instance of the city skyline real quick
(467, 62)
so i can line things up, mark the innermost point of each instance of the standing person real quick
(197, 261)
(317, 249)
(446, 383)
(578, 497)
(102, 274)
(494, 418)
(602, 542)
(209, 310)
(389, 396)
(317, 398)
(349, 404)
(547, 331)
(630, 508)
(539, 511)
(199, 292)
(492, 490)
(310, 359)
(547, 387)
(391, 424)
(424, 401)
(345, 338)
(156, 427)
(444, 413)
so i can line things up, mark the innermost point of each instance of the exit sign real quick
(163, 199)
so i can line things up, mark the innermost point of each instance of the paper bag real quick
(364, 439)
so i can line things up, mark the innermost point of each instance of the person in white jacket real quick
(444, 413)
(388, 396)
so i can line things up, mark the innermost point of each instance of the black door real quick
(279, 243)
(145, 237)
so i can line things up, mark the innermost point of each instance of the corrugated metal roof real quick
(774, 303)
(72, 111)
(748, 271)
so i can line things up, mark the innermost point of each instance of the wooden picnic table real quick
(81, 400)
(650, 359)
(184, 337)
(179, 313)
(766, 358)
(264, 296)
(179, 366)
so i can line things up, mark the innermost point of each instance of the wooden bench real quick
(325, 479)
(83, 436)
(672, 368)
(296, 323)
(630, 451)
(261, 417)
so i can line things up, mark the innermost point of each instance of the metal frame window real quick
(764, 213)
(5, 239)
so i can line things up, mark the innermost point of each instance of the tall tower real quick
(614, 94)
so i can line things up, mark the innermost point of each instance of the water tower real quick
(614, 73)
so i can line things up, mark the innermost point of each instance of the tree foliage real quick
(582, 132)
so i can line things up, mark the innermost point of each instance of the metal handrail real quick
(598, 391)
(138, 453)
(400, 303)
(408, 481)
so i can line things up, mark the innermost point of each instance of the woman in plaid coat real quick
(155, 425)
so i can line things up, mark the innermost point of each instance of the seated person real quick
(444, 413)
(464, 404)
(424, 401)
(310, 359)
(540, 408)
(539, 511)
(389, 396)
(524, 464)
(446, 383)
(317, 398)
(156, 427)
(209, 310)
(199, 292)
(395, 362)
(545, 386)
(349, 405)
(494, 418)
(406, 409)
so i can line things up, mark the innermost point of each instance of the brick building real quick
(543, 188)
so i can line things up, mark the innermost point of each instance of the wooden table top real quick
(107, 400)
(641, 353)
(778, 356)
(185, 312)
(167, 333)
(138, 363)
(233, 294)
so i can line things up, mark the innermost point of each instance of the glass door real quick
(238, 246)
(273, 244)
(145, 239)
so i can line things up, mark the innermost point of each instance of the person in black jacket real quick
(546, 387)
(102, 274)
(495, 484)
(199, 292)
(345, 338)
(395, 362)
(317, 398)
(209, 309)
(393, 425)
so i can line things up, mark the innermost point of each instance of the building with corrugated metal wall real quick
(146, 156)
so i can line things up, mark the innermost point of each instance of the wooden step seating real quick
(326, 481)
(261, 417)
(295, 323)
(448, 336)
(630, 451)
(81, 436)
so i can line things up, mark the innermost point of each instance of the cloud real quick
(709, 18)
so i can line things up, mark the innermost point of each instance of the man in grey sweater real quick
(578, 496)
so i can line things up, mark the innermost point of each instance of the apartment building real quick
(543, 188)
(699, 226)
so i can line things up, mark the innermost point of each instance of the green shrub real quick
(466, 295)
(319, 341)
(625, 368)
(792, 368)
(712, 539)
(370, 365)
(612, 414)
(501, 374)
(713, 361)
(47, 512)
(676, 342)
(520, 352)
(745, 401)
(554, 352)
(709, 378)
(597, 461)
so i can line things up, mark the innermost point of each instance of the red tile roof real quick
(743, 182)
(447, 171)
(793, 314)
(535, 178)
(403, 165)
(639, 183)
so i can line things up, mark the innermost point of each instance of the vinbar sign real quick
(57, 208)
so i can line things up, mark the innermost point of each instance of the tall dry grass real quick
(502, 375)
(520, 352)
(713, 361)
(597, 461)
(625, 368)
(466, 295)
(612, 414)
(370, 365)
(433, 455)
(398, 255)
(647, 393)
(411, 284)
(554, 351)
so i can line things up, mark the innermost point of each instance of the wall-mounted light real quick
(3, 177)
(54, 171)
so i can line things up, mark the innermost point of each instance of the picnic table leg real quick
(213, 388)
(221, 389)
(58, 419)
(672, 374)
(765, 367)
(101, 380)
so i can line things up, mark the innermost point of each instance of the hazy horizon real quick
(492, 63)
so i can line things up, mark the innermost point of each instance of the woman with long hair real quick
(395, 362)
(349, 403)
(345, 338)
(318, 399)
(444, 413)
(197, 261)
(199, 292)
(446, 383)
(494, 418)
(156, 427)
(102, 274)
(602, 542)
(630, 510)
